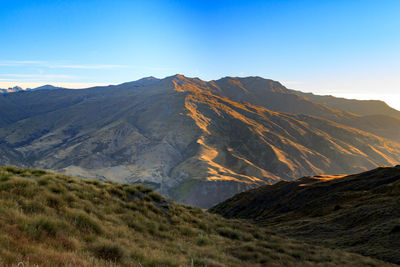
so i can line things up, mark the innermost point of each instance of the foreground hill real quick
(195, 141)
(54, 220)
(359, 212)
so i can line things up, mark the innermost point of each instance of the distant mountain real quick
(357, 212)
(19, 89)
(361, 107)
(274, 96)
(45, 87)
(195, 141)
(11, 90)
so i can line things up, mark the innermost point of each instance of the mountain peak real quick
(176, 76)
(16, 88)
(11, 90)
(45, 87)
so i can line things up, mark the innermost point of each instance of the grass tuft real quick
(107, 250)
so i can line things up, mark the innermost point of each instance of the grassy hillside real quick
(55, 220)
(360, 212)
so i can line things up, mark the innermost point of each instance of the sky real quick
(342, 48)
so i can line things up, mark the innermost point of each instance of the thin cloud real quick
(105, 66)
(34, 84)
(55, 65)
(40, 76)
(11, 63)
(152, 68)
(100, 66)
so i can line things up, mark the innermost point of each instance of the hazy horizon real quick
(391, 99)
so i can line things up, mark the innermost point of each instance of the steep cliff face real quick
(198, 142)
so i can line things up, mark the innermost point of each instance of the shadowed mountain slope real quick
(48, 219)
(359, 212)
(197, 142)
(361, 107)
(372, 116)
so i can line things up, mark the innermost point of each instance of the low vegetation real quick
(49, 219)
(359, 213)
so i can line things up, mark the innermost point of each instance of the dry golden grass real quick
(49, 219)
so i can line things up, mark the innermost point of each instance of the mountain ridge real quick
(16, 89)
(196, 141)
(361, 107)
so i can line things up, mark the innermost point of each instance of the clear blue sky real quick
(338, 47)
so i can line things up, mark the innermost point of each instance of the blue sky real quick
(344, 48)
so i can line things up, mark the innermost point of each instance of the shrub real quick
(155, 196)
(14, 170)
(54, 202)
(4, 176)
(19, 187)
(44, 181)
(151, 227)
(108, 250)
(31, 206)
(37, 172)
(130, 189)
(229, 233)
(143, 189)
(139, 227)
(202, 241)
(57, 189)
(84, 223)
(186, 230)
(137, 255)
(92, 181)
(40, 226)
(161, 261)
(44, 224)
(117, 192)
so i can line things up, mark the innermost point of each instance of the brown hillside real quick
(359, 212)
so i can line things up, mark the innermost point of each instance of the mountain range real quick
(195, 141)
(20, 89)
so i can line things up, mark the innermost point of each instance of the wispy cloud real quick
(40, 76)
(55, 65)
(34, 84)
(96, 67)
(107, 66)
(12, 63)
(60, 65)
